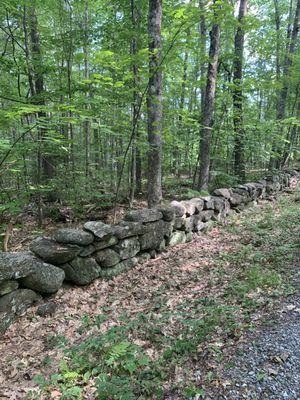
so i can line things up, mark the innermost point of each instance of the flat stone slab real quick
(73, 236)
(104, 243)
(52, 252)
(223, 192)
(127, 229)
(16, 265)
(144, 215)
(99, 229)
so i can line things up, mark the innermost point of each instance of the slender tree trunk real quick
(200, 72)
(135, 172)
(208, 108)
(238, 117)
(277, 27)
(86, 124)
(177, 152)
(283, 95)
(292, 131)
(27, 54)
(202, 28)
(45, 161)
(154, 104)
(96, 146)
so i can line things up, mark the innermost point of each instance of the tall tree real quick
(238, 113)
(46, 168)
(154, 103)
(135, 173)
(275, 158)
(208, 107)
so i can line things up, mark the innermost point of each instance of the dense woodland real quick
(101, 98)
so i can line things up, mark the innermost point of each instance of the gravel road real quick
(268, 367)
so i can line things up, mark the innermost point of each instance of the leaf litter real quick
(177, 278)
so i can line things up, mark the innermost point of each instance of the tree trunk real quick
(208, 108)
(238, 117)
(45, 161)
(154, 104)
(177, 151)
(135, 173)
(283, 95)
(86, 124)
(202, 31)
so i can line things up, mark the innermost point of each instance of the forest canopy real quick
(102, 97)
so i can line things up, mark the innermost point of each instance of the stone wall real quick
(103, 251)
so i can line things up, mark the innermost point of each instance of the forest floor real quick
(217, 318)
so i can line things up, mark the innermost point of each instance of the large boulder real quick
(52, 252)
(16, 265)
(82, 271)
(127, 248)
(14, 304)
(99, 229)
(144, 215)
(107, 258)
(45, 278)
(73, 236)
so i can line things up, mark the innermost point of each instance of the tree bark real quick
(154, 104)
(238, 117)
(135, 172)
(45, 161)
(86, 124)
(208, 108)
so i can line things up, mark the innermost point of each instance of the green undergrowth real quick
(116, 361)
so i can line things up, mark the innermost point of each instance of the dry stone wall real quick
(103, 251)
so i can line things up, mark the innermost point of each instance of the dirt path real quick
(226, 278)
